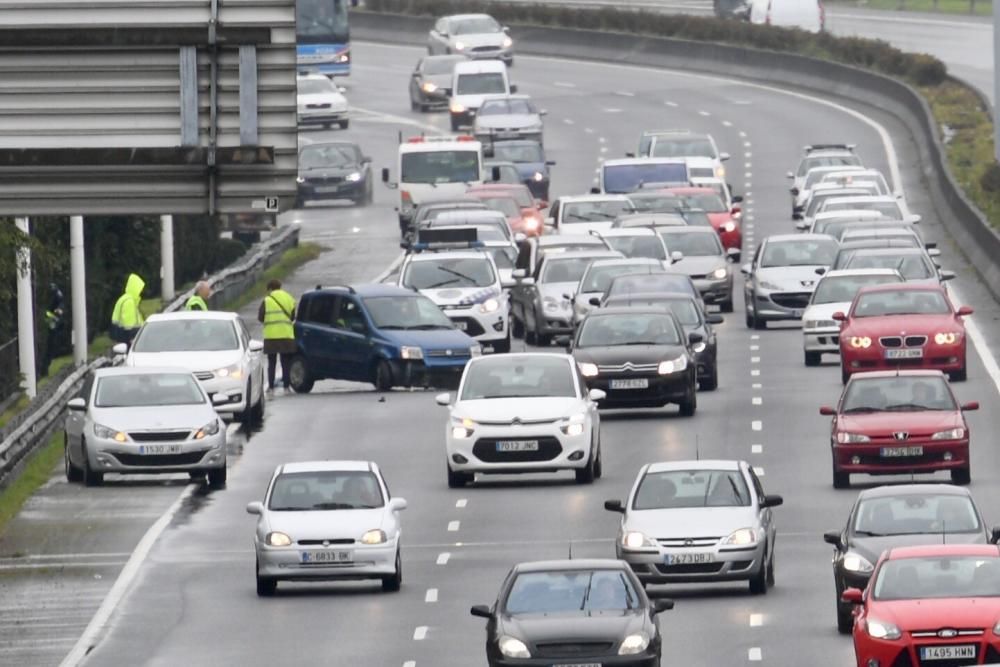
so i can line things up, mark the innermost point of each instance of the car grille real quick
(484, 49)
(899, 341)
(166, 460)
(699, 276)
(572, 650)
(515, 420)
(313, 543)
(688, 542)
(961, 633)
(629, 367)
(472, 326)
(453, 353)
(159, 436)
(485, 449)
(326, 180)
(323, 105)
(694, 568)
(204, 375)
(791, 299)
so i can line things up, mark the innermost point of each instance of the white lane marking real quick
(972, 329)
(588, 130)
(420, 633)
(624, 93)
(754, 360)
(755, 372)
(747, 144)
(759, 471)
(410, 663)
(756, 385)
(604, 149)
(443, 558)
(128, 574)
(601, 140)
(757, 400)
(461, 502)
(748, 176)
(431, 596)
(671, 104)
(569, 121)
(749, 194)
(749, 225)
(704, 113)
(756, 449)
(747, 156)
(756, 620)
(402, 120)
(754, 654)
(564, 84)
(611, 110)
(726, 123)
(756, 425)
(453, 526)
(742, 133)
(755, 347)
(754, 336)
(916, 21)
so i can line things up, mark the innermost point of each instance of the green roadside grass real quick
(978, 8)
(35, 473)
(291, 260)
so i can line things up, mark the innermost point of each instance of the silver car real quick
(698, 521)
(476, 36)
(507, 118)
(705, 260)
(143, 420)
(327, 520)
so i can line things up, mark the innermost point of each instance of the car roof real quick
(332, 142)
(138, 370)
(520, 357)
(572, 564)
(908, 286)
(367, 290)
(330, 465)
(938, 550)
(516, 96)
(555, 240)
(653, 217)
(573, 199)
(913, 490)
(629, 310)
(638, 261)
(877, 199)
(459, 17)
(690, 189)
(858, 272)
(193, 315)
(620, 162)
(487, 214)
(694, 464)
(450, 254)
(909, 372)
(798, 237)
(599, 252)
(684, 229)
(894, 250)
(628, 231)
(479, 67)
(652, 296)
(497, 187)
(887, 230)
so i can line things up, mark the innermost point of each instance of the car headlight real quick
(845, 438)
(768, 286)
(741, 538)
(880, 629)
(428, 87)
(946, 338)
(853, 562)
(476, 351)
(551, 303)
(507, 42)
(634, 644)
(699, 347)
(455, 107)
(374, 537)
(300, 179)
(234, 372)
(459, 46)
(531, 223)
(211, 428)
(489, 306)
(106, 433)
(588, 370)
(538, 177)
(720, 273)
(862, 342)
(462, 428)
(575, 425)
(996, 628)
(636, 540)
(277, 539)
(673, 365)
(354, 177)
(729, 226)
(410, 352)
(720, 172)
(950, 434)
(342, 58)
(513, 648)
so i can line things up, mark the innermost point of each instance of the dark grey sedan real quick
(430, 84)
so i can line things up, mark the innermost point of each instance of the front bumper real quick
(865, 458)
(644, 660)
(462, 118)
(321, 117)
(368, 561)
(726, 565)
(208, 453)
(235, 389)
(825, 339)
(480, 452)
(326, 189)
(906, 651)
(487, 137)
(558, 322)
(661, 389)
(484, 327)
(444, 372)
(772, 306)
(947, 358)
(713, 290)
(489, 53)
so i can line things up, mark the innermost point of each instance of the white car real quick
(835, 292)
(800, 194)
(598, 276)
(519, 413)
(467, 287)
(507, 118)
(822, 155)
(888, 205)
(327, 520)
(472, 35)
(213, 345)
(473, 82)
(585, 213)
(320, 102)
(639, 243)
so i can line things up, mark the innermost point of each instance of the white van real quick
(804, 14)
(473, 82)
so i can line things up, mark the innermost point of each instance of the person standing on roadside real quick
(277, 313)
(199, 300)
(126, 318)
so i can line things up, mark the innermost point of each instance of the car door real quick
(317, 338)
(353, 353)
(416, 81)
(251, 360)
(764, 513)
(76, 421)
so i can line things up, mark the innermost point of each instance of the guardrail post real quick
(25, 315)
(167, 258)
(78, 287)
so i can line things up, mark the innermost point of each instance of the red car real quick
(724, 220)
(929, 605)
(902, 325)
(898, 422)
(515, 201)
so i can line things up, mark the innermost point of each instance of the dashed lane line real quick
(420, 633)
(461, 502)
(431, 596)
(756, 620)
(756, 425)
(754, 654)
(453, 526)
(443, 558)
(756, 449)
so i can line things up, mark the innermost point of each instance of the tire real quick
(197, 475)
(90, 477)
(344, 124)
(382, 376)
(73, 474)
(727, 305)
(393, 582)
(457, 480)
(690, 405)
(770, 570)
(759, 323)
(502, 346)
(257, 413)
(841, 480)
(299, 377)
(455, 126)
(758, 580)
(961, 476)
(749, 319)
(813, 358)
(710, 383)
(414, 106)
(217, 478)
(589, 474)
(246, 415)
(266, 586)
(599, 464)
(845, 617)
(369, 192)
(959, 376)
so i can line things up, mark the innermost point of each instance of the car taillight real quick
(405, 198)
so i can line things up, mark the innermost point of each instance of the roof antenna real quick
(697, 448)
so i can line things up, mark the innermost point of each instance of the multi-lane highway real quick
(187, 596)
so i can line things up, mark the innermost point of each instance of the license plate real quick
(948, 652)
(517, 446)
(152, 450)
(889, 452)
(632, 383)
(688, 559)
(325, 556)
(577, 664)
(326, 189)
(508, 134)
(461, 326)
(909, 353)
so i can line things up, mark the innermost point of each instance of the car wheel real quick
(813, 358)
(710, 383)
(758, 581)
(770, 570)
(246, 415)
(455, 125)
(369, 192)
(90, 476)
(266, 586)
(959, 376)
(727, 305)
(382, 376)
(961, 476)
(392, 583)
(690, 404)
(845, 616)
(543, 340)
(299, 377)
(588, 474)
(759, 323)
(197, 475)
(73, 474)
(217, 477)
(257, 414)
(502, 346)
(841, 480)
(414, 105)
(749, 319)
(457, 480)
(599, 465)
(344, 124)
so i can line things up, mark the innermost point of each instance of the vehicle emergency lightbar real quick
(820, 147)
(446, 238)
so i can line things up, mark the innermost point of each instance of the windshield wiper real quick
(861, 408)
(908, 406)
(868, 533)
(442, 283)
(291, 509)
(336, 506)
(427, 327)
(586, 593)
(644, 342)
(391, 326)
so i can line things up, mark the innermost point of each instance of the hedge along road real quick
(193, 600)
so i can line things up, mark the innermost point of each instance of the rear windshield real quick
(627, 178)
(484, 83)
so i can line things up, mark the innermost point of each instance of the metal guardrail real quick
(33, 428)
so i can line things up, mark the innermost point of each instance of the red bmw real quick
(930, 605)
(902, 326)
(725, 220)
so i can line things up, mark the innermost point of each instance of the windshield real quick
(503, 256)
(505, 107)
(406, 312)
(691, 488)
(901, 302)
(912, 514)
(912, 266)
(691, 147)
(654, 281)
(683, 308)
(598, 278)
(653, 203)
(481, 83)
(594, 211)
(861, 179)
(328, 155)
(510, 376)
(819, 175)
(440, 167)
(436, 65)
(321, 21)
(818, 200)
(474, 26)
(315, 86)
(576, 592)
(938, 577)
(518, 153)
(145, 390)
(565, 270)
(647, 246)
(901, 393)
(708, 201)
(888, 209)
(817, 252)
(187, 335)
(827, 161)
(325, 490)
(693, 244)
(505, 205)
(622, 329)
(627, 178)
(449, 272)
(843, 289)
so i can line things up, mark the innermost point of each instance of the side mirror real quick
(481, 610)
(715, 318)
(695, 337)
(821, 270)
(595, 191)
(971, 405)
(506, 28)
(77, 404)
(794, 191)
(366, 159)
(614, 506)
(734, 254)
(527, 282)
(519, 274)
(256, 507)
(550, 163)
(385, 174)
(495, 174)
(119, 349)
(629, 154)
(662, 604)
(746, 269)
(833, 537)
(543, 112)
(790, 175)
(913, 219)
(771, 501)
(676, 256)
(944, 274)
(839, 316)
(797, 216)
(563, 341)
(397, 505)
(723, 157)
(520, 237)
(595, 301)
(256, 346)
(930, 245)
(852, 596)
(827, 411)
(443, 399)
(220, 399)
(358, 327)
(995, 534)
(596, 395)
(964, 311)
(513, 89)
(737, 199)
(508, 284)
(933, 252)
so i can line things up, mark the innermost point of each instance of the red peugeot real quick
(930, 605)
(902, 325)
(725, 220)
(899, 422)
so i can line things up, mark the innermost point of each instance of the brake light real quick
(415, 140)
(465, 137)
(404, 196)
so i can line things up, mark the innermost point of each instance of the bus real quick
(323, 37)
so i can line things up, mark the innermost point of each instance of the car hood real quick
(480, 39)
(545, 408)
(192, 361)
(698, 265)
(895, 325)
(507, 120)
(873, 547)
(825, 311)
(528, 169)
(320, 525)
(915, 422)
(586, 227)
(790, 278)
(910, 615)
(336, 102)
(571, 627)
(690, 522)
(433, 339)
(450, 296)
(614, 355)
(162, 417)
(328, 171)
(439, 80)
(556, 290)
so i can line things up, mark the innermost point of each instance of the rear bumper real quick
(662, 389)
